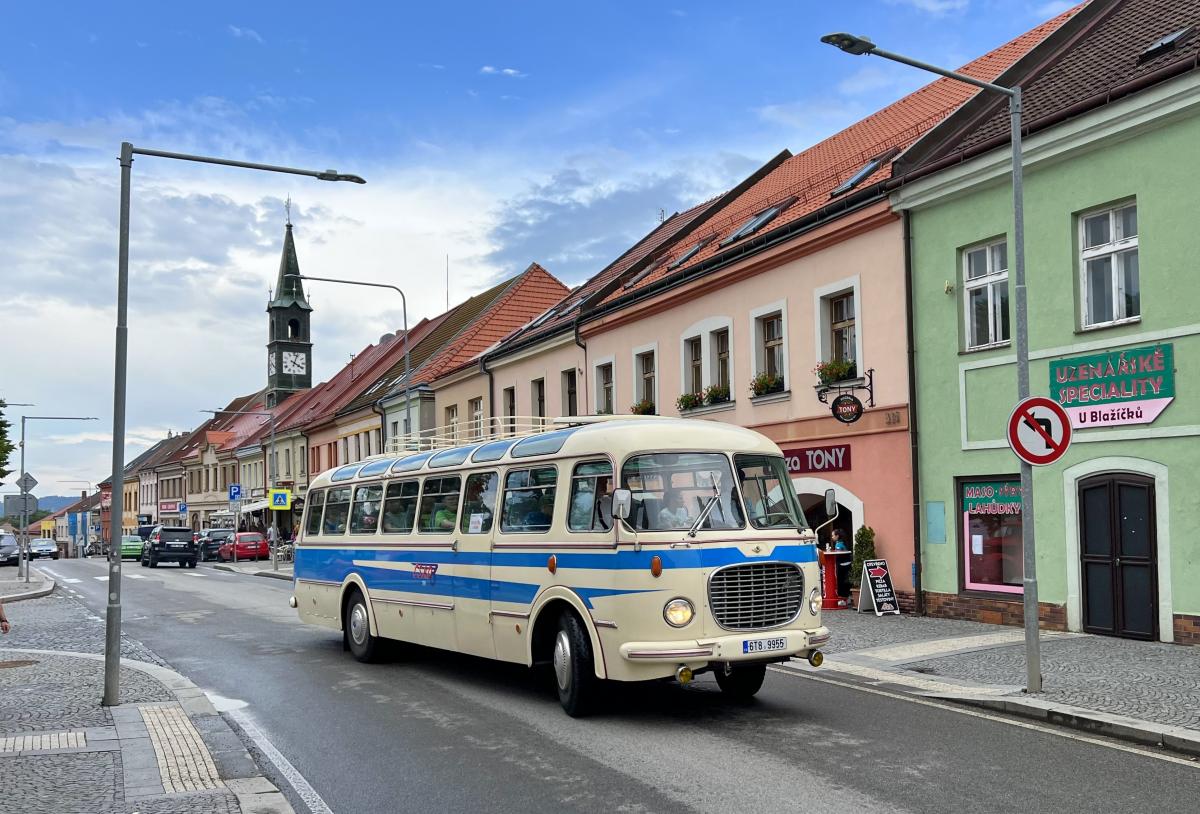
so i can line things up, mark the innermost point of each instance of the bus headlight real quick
(814, 601)
(678, 612)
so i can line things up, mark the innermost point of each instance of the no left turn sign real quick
(1039, 431)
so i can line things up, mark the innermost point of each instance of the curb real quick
(254, 794)
(1121, 727)
(268, 574)
(45, 590)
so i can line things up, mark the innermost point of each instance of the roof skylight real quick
(1166, 44)
(758, 221)
(641, 275)
(863, 173)
(690, 253)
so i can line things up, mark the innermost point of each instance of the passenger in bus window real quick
(443, 518)
(604, 493)
(673, 514)
(539, 518)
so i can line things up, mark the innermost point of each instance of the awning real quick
(256, 506)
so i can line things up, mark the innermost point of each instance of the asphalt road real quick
(430, 731)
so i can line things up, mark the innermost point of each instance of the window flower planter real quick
(766, 383)
(836, 370)
(643, 407)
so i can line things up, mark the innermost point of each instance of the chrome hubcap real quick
(562, 660)
(358, 624)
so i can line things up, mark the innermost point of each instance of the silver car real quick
(9, 553)
(41, 548)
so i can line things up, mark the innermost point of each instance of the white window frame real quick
(705, 330)
(688, 364)
(988, 280)
(475, 415)
(757, 348)
(823, 326)
(1114, 248)
(451, 416)
(651, 349)
(599, 390)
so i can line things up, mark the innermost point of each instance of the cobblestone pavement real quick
(1152, 681)
(83, 782)
(63, 692)
(57, 622)
(858, 631)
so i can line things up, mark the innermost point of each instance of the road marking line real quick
(134, 576)
(102, 579)
(196, 575)
(301, 786)
(70, 581)
(990, 717)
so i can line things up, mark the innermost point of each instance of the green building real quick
(1112, 192)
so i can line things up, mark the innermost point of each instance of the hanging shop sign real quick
(835, 458)
(846, 408)
(1130, 386)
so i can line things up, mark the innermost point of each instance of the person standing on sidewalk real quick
(272, 536)
(4, 626)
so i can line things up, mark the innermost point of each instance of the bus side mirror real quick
(622, 503)
(831, 506)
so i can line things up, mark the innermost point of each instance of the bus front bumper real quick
(771, 645)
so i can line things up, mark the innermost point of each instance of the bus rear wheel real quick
(356, 629)
(740, 681)
(574, 668)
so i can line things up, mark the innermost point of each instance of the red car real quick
(250, 546)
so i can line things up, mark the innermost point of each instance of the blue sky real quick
(495, 133)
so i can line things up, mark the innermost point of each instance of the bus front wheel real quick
(356, 629)
(740, 681)
(574, 671)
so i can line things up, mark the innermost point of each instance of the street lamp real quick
(404, 308)
(25, 478)
(112, 633)
(271, 473)
(860, 46)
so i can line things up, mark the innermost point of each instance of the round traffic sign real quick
(1039, 430)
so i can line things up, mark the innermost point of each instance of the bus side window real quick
(337, 507)
(316, 502)
(400, 507)
(480, 503)
(591, 497)
(529, 499)
(439, 504)
(364, 518)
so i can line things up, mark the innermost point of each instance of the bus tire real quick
(356, 629)
(740, 681)
(574, 671)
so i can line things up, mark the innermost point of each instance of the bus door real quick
(473, 564)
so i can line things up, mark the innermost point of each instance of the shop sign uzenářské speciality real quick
(1120, 387)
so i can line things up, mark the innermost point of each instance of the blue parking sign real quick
(235, 491)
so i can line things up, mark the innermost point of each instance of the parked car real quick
(210, 542)
(10, 553)
(131, 546)
(170, 544)
(42, 548)
(251, 545)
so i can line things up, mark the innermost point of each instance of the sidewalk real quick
(258, 568)
(13, 589)
(1148, 692)
(164, 750)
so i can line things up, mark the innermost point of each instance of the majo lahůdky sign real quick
(1120, 387)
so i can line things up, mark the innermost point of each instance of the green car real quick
(131, 546)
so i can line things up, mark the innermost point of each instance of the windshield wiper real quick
(708, 507)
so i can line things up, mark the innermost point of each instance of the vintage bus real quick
(611, 548)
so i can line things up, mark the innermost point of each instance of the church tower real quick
(289, 349)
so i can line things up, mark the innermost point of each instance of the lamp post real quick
(23, 483)
(860, 46)
(112, 633)
(271, 477)
(404, 308)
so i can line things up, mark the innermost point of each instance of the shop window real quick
(991, 528)
(1109, 266)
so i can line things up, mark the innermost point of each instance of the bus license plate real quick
(763, 645)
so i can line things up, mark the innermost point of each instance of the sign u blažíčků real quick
(1129, 386)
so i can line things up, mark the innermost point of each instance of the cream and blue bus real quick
(610, 548)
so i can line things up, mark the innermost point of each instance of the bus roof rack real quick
(478, 430)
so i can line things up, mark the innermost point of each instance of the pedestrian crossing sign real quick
(281, 500)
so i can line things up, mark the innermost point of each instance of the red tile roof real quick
(529, 295)
(812, 175)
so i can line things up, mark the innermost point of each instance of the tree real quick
(6, 446)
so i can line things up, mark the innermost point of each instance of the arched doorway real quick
(811, 492)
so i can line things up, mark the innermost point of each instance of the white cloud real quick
(493, 70)
(245, 33)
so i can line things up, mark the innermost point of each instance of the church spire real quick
(289, 290)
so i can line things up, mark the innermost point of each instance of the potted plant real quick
(864, 549)
(643, 407)
(716, 394)
(836, 370)
(689, 401)
(765, 383)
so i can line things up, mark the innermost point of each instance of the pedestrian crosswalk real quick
(136, 576)
(72, 580)
(102, 579)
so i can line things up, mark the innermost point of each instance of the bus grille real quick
(756, 596)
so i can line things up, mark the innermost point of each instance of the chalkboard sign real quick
(877, 581)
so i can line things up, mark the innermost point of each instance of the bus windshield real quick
(770, 499)
(672, 489)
